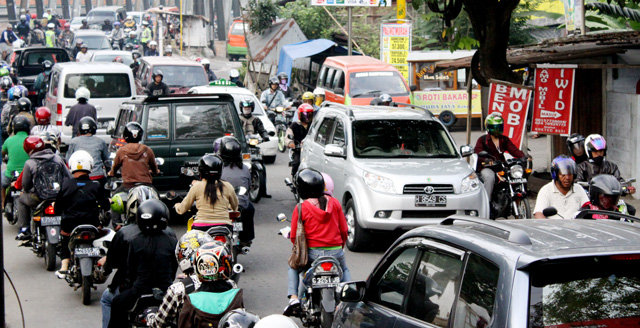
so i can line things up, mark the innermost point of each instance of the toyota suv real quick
(393, 168)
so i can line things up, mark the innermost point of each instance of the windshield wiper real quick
(366, 93)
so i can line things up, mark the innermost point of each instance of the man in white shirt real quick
(561, 193)
(83, 55)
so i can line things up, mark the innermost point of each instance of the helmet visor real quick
(597, 144)
(495, 129)
(305, 116)
(566, 166)
(608, 202)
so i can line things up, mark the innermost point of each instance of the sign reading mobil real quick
(512, 102)
(553, 99)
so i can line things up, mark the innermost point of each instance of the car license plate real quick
(430, 201)
(518, 181)
(88, 251)
(237, 226)
(326, 280)
(50, 220)
(16, 193)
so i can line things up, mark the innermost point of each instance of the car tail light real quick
(49, 210)
(32, 93)
(326, 266)
(59, 112)
(625, 257)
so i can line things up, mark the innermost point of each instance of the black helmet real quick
(564, 165)
(230, 150)
(273, 80)
(132, 132)
(575, 142)
(107, 21)
(238, 318)
(152, 216)
(283, 75)
(84, 21)
(310, 183)
(210, 167)
(24, 104)
(87, 125)
(46, 65)
(156, 73)
(21, 123)
(607, 186)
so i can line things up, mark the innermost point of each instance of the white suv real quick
(393, 168)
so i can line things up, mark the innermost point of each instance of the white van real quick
(110, 84)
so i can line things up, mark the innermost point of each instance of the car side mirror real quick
(352, 291)
(413, 88)
(466, 150)
(339, 91)
(334, 151)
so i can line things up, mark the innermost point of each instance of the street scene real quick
(320, 163)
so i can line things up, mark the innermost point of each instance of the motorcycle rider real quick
(132, 38)
(604, 193)
(13, 149)
(50, 36)
(137, 160)
(298, 131)
(66, 37)
(207, 68)
(77, 49)
(157, 88)
(307, 98)
(575, 144)
(96, 147)
(136, 63)
(283, 80)
(80, 110)
(151, 50)
(43, 120)
(151, 262)
(240, 318)
(250, 123)
(10, 107)
(168, 52)
(319, 94)
(23, 106)
(40, 85)
(273, 97)
(385, 100)
(7, 38)
(561, 193)
(129, 23)
(234, 76)
(5, 84)
(107, 27)
(77, 203)
(212, 196)
(85, 25)
(83, 56)
(117, 35)
(596, 148)
(496, 144)
(23, 28)
(325, 228)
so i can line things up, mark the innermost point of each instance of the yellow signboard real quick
(395, 43)
(456, 101)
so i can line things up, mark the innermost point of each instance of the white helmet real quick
(318, 92)
(153, 43)
(205, 62)
(129, 17)
(83, 92)
(80, 161)
(233, 73)
(276, 321)
(50, 25)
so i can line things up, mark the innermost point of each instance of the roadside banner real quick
(512, 102)
(553, 102)
(352, 3)
(455, 100)
(395, 43)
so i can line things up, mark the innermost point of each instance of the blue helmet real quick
(18, 92)
(563, 165)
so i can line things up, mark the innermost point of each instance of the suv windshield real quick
(209, 121)
(182, 76)
(101, 85)
(401, 139)
(238, 28)
(100, 16)
(370, 84)
(586, 292)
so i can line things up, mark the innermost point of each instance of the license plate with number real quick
(237, 226)
(430, 201)
(50, 220)
(326, 280)
(518, 181)
(16, 193)
(88, 251)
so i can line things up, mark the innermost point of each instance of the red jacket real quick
(322, 228)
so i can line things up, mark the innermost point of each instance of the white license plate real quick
(237, 226)
(16, 193)
(50, 220)
(326, 280)
(430, 201)
(88, 251)
(518, 181)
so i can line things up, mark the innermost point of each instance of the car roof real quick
(92, 67)
(112, 52)
(171, 61)
(106, 8)
(179, 98)
(368, 112)
(212, 89)
(89, 33)
(528, 241)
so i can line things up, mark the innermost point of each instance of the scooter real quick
(282, 121)
(46, 238)
(258, 169)
(11, 201)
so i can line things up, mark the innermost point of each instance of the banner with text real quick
(456, 101)
(352, 3)
(395, 43)
(512, 102)
(553, 102)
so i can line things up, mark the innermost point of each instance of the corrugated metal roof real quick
(265, 48)
(437, 55)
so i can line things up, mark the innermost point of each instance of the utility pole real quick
(349, 31)
(66, 12)
(11, 11)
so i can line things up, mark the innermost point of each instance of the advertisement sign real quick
(352, 3)
(455, 100)
(395, 43)
(570, 15)
(512, 102)
(553, 101)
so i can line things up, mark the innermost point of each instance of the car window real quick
(371, 84)
(330, 73)
(182, 76)
(158, 123)
(37, 58)
(96, 42)
(238, 28)
(477, 294)
(209, 121)
(434, 287)
(53, 85)
(338, 135)
(324, 130)
(323, 73)
(338, 80)
(123, 118)
(101, 85)
(142, 73)
(393, 286)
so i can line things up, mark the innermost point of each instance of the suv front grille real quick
(419, 189)
(437, 214)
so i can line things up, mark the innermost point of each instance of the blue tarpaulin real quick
(308, 48)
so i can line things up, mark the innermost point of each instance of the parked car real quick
(179, 73)
(180, 128)
(109, 55)
(97, 15)
(356, 80)
(94, 39)
(468, 272)
(393, 168)
(236, 44)
(27, 64)
(110, 84)
(269, 148)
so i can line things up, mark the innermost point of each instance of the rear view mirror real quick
(352, 291)
(334, 150)
(549, 211)
(272, 133)
(171, 195)
(466, 150)
(143, 83)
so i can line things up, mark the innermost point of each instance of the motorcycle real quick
(282, 121)
(46, 238)
(11, 201)
(510, 192)
(320, 294)
(293, 189)
(88, 244)
(146, 303)
(258, 169)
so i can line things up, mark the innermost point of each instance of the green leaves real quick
(263, 13)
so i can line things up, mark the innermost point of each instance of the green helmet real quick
(4, 72)
(494, 124)
(118, 202)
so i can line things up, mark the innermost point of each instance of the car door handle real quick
(182, 153)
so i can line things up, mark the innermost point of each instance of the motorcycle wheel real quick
(10, 213)
(49, 256)
(524, 209)
(281, 138)
(326, 319)
(87, 283)
(257, 185)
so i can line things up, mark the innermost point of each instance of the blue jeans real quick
(338, 254)
(105, 303)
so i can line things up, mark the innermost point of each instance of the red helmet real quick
(118, 59)
(67, 25)
(43, 116)
(305, 113)
(33, 144)
(34, 16)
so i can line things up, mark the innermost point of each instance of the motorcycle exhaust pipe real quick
(238, 268)
(245, 250)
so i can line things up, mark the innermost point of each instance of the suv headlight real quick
(516, 172)
(378, 183)
(470, 183)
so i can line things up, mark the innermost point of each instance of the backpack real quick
(48, 179)
(8, 118)
(205, 309)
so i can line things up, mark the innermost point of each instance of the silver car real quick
(392, 168)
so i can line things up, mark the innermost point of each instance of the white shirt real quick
(82, 57)
(567, 205)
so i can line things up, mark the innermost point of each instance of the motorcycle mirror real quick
(281, 217)
(549, 211)
(484, 154)
(171, 195)
(159, 160)
(272, 133)
(287, 181)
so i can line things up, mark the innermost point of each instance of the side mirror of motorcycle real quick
(158, 293)
(171, 195)
(484, 154)
(281, 217)
(272, 133)
(352, 291)
(549, 212)
(288, 182)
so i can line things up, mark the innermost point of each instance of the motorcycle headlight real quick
(253, 142)
(516, 172)
(279, 109)
(470, 183)
(378, 183)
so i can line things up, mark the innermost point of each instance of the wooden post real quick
(66, 12)
(469, 109)
(40, 8)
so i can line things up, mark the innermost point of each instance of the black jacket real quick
(151, 262)
(78, 201)
(154, 89)
(588, 169)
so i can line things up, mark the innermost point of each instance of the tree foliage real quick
(314, 21)
(262, 14)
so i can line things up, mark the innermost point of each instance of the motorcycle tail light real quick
(120, 142)
(246, 156)
(222, 239)
(326, 266)
(85, 235)
(49, 210)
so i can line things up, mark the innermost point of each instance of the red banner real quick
(553, 100)
(512, 102)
